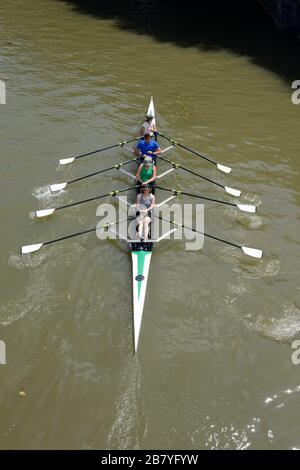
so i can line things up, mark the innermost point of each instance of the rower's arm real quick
(153, 126)
(153, 178)
(137, 202)
(138, 173)
(157, 151)
(152, 205)
(137, 151)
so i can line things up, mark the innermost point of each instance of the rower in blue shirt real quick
(147, 147)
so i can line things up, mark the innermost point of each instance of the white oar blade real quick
(232, 191)
(44, 212)
(223, 168)
(57, 187)
(252, 252)
(247, 208)
(30, 248)
(66, 161)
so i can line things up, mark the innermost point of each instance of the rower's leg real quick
(146, 231)
(152, 186)
(140, 230)
(139, 227)
(146, 227)
(138, 189)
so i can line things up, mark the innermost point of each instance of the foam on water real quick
(37, 297)
(44, 193)
(41, 192)
(38, 294)
(248, 267)
(27, 261)
(251, 198)
(247, 220)
(278, 329)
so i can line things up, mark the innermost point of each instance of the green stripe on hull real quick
(141, 255)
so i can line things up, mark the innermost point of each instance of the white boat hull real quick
(140, 271)
(151, 110)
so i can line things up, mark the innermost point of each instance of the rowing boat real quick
(141, 257)
(141, 251)
(140, 270)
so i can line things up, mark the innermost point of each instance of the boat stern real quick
(140, 271)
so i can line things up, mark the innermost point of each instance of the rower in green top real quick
(146, 173)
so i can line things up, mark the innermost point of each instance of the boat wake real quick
(130, 421)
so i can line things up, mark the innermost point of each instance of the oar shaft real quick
(213, 237)
(201, 155)
(173, 222)
(119, 165)
(120, 144)
(111, 193)
(199, 196)
(192, 172)
(69, 236)
(83, 232)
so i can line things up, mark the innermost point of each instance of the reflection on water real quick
(243, 28)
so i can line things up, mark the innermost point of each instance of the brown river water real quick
(214, 368)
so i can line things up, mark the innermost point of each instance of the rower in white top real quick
(145, 202)
(148, 125)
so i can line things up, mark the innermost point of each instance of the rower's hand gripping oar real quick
(231, 191)
(66, 161)
(223, 168)
(37, 246)
(46, 212)
(59, 186)
(241, 207)
(253, 252)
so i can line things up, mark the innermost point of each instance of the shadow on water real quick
(242, 27)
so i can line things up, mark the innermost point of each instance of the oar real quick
(66, 161)
(242, 207)
(232, 191)
(58, 186)
(253, 252)
(47, 212)
(223, 168)
(37, 246)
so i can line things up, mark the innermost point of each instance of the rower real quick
(149, 126)
(145, 202)
(147, 147)
(146, 173)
